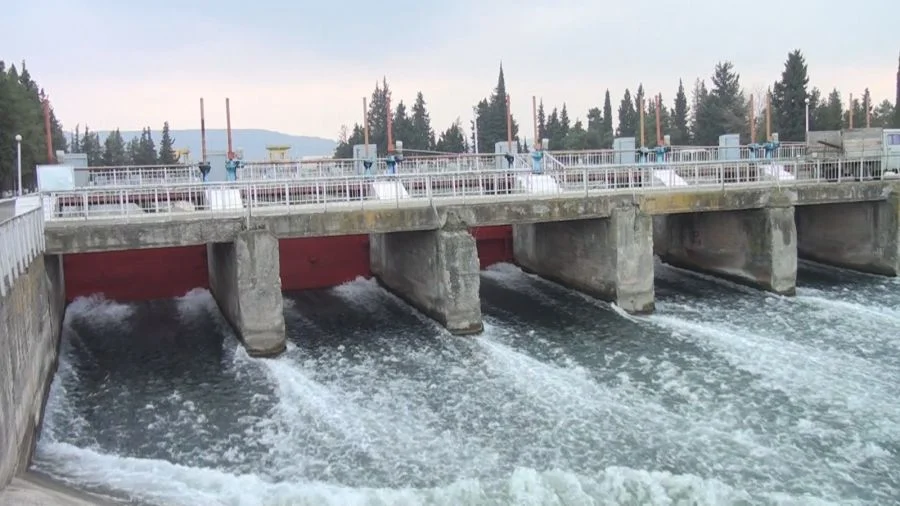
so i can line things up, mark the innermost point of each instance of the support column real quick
(435, 271)
(245, 280)
(609, 258)
(859, 235)
(756, 247)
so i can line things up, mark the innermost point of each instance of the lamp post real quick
(19, 160)
(806, 137)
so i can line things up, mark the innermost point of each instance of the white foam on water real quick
(523, 419)
(174, 485)
(98, 310)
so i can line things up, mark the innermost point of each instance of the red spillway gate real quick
(306, 263)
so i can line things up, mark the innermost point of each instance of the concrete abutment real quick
(755, 247)
(609, 258)
(31, 317)
(436, 271)
(863, 236)
(244, 279)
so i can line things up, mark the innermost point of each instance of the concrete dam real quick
(440, 260)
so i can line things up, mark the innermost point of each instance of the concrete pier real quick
(609, 258)
(857, 235)
(756, 247)
(436, 271)
(245, 281)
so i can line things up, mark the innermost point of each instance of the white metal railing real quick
(301, 169)
(323, 194)
(21, 240)
(284, 170)
(678, 154)
(138, 175)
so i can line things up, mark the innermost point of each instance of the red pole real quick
(47, 132)
(228, 127)
(658, 124)
(202, 131)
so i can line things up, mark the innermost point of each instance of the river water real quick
(726, 395)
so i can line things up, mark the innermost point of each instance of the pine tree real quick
(594, 128)
(554, 131)
(576, 137)
(422, 136)
(491, 117)
(166, 154)
(90, 146)
(896, 123)
(542, 121)
(607, 134)
(452, 140)
(789, 99)
(146, 152)
(680, 134)
(628, 120)
(564, 124)
(114, 150)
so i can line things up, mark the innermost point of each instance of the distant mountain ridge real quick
(252, 141)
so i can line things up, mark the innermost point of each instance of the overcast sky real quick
(303, 67)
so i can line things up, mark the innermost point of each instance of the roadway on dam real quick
(725, 395)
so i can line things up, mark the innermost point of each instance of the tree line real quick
(715, 108)
(720, 106)
(115, 151)
(22, 113)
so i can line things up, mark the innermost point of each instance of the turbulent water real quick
(725, 395)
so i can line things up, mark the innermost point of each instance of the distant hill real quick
(253, 142)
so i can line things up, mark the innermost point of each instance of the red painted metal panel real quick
(321, 262)
(305, 263)
(494, 244)
(133, 275)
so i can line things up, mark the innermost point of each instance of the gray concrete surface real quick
(245, 280)
(418, 214)
(31, 489)
(609, 258)
(858, 235)
(436, 271)
(757, 247)
(30, 323)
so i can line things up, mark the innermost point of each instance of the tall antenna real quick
(752, 122)
(659, 139)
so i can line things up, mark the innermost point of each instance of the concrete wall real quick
(30, 322)
(859, 235)
(609, 258)
(756, 247)
(436, 271)
(245, 281)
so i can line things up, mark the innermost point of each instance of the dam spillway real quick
(725, 395)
